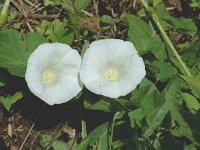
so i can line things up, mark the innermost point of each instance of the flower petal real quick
(61, 65)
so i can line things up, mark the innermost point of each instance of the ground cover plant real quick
(100, 74)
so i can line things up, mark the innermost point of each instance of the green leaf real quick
(156, 117)
(98, 138)
(32, 40)
(52, 2)
(81, 4)
(60, 145)
(10, 100)
(104, 104)
(195, 3)
(13, 54)
(56, 31)
(183, 25)
(175, 111)
(136, 117)
(68, 5)
(45, 140)
(191, 102)
(162, 70)
(3, 14)
(194, 84)
(144, 38)
(106, 19)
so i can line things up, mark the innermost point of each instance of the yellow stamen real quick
(48, 76)
(111, 74)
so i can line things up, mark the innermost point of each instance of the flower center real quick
(111, 74)
(48, 76)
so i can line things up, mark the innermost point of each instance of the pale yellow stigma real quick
(48, 76)
(111, 74)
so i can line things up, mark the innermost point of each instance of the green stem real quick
(168, 40)
(83, 122)
(112, 130)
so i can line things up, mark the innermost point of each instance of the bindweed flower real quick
(52, 73)
(112, 68)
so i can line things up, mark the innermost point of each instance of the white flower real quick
(112, 68)
(52, 73)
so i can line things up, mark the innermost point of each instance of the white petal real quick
(126, 85)
(112, 54)
(89, 73)
(63, 63)
(110, 89)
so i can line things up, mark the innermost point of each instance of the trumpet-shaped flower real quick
(52, 73)
(112, 68)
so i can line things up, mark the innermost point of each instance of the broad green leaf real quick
(144, 38)
(156, 117)
(175, 111)
(4, 12)
(103, 104)
(45, 140)
(162, 70)
(163, 15)
(191, 102)
(174, 86)
(2, 84)
(52, 2)
(145, 88)
(191, 56)
(183, 25)
(106, 19)
(68, 5)
(81, 4)
(32, 40)
(136, 117)
(60, 145)
(13, 54)
(56, 31)
(195, 3)
(194, 84)
(10, 100)
(97, 139)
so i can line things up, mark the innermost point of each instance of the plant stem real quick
(112, 130)
(83, 122)
(168, 40)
